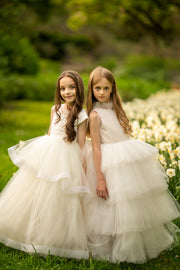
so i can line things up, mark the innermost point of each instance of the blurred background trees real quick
(137, 39)
(129, 20)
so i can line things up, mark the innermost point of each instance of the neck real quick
(68, 106)
(103, 105)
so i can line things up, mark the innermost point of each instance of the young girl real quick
(40, 208)
(128, 216)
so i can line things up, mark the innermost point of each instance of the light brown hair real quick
(97, 74)
(77, 106)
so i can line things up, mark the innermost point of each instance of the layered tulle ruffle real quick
(51, 159)
(134, 223)
(41, 206)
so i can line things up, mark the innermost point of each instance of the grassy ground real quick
(23, 120)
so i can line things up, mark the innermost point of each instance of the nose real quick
(67, 90)
(101, 91)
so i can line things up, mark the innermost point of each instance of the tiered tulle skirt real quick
(134, 223)
(41, 206)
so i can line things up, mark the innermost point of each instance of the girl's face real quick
(68, 90)
(102, 90)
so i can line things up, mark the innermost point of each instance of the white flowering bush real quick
(156, 120)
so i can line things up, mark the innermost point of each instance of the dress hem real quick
(45, 250)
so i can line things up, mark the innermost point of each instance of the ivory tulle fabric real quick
(134, 223)
(41, 206)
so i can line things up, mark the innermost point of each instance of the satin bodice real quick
(110, 129)
(59, 127)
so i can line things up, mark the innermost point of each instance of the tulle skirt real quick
(41, 206)
(134, 223)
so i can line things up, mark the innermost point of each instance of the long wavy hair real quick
(77, 106)
(97, 74)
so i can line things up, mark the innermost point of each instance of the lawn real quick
(22, 120)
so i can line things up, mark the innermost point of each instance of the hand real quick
(101, 189)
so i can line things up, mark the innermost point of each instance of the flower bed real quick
(156, 120)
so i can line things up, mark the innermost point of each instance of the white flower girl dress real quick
(40, 207)
(134, 223)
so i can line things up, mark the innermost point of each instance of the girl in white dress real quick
(129, 211)
(40, 207)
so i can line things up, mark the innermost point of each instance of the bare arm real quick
(94, 125)
(81, 134)
(52, 110)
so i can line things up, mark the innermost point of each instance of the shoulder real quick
(94, 117)
(53, 109)
(61, 108)
(82, 116)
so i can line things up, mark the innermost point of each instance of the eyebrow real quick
(100, 86)
(72, 84)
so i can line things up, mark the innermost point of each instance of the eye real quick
(97, 88)
(106, 88)
(62, 88)
(72, 86)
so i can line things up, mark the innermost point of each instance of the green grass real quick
(22, 120)
(15, 259)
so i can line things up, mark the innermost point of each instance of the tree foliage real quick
(17, 20)
(128, 17)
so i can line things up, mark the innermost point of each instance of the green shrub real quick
(144, 63)
(3, 91)
(24, 87)
(152, 68)
(108, 62)
(42, 86)
(140, 75)
(31, 87)
(17, 56)
(134, 87)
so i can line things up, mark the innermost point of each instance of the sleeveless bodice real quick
(110, 129)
